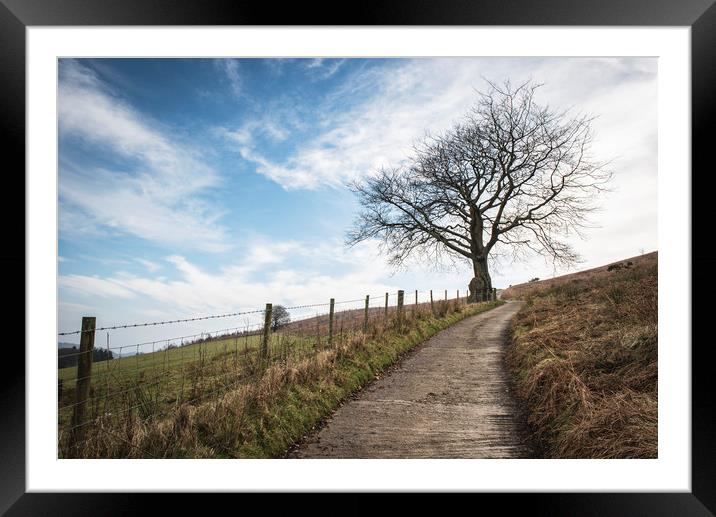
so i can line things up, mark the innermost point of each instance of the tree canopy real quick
(279, 317)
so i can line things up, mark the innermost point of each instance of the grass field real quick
(155, 382)
(165, 369)
(218, 398)
(159, 360)
(584, 357)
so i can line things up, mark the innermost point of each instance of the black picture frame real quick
(17, 15)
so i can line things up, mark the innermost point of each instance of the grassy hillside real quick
(521, 290)
(584, 356)
(220, 399)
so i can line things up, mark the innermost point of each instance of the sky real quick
(193, 187)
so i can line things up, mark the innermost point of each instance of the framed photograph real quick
(415, 250)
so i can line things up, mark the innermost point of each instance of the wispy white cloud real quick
(157, 196)
(230, 68)
(95, 286)
(248, 131)
(315, 63)
(151, 266)
(276, 65)
(324, 68)
(332, 68)
(197, 291)
(404, 102)
(288, 177)
(267, 252)
(75, 307)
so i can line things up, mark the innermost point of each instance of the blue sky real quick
(199, 186)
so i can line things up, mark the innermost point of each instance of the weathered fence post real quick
(365, 313)
(267, 332)
(445, 294)
(82, 388)
(494, 294)
(457, 300)
(401, 297)
(330, 322)
(415, 309)
(386, 307)
(432, 305)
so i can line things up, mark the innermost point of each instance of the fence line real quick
(96, 399)
(198, 318)
(154, 323)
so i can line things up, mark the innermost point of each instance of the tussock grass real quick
(584, 355)
(272, 406)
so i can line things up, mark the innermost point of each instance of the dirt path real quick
(451, 398)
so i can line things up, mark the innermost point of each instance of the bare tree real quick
(512, 177)
(279, 317)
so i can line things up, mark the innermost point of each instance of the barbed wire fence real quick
(106, 401)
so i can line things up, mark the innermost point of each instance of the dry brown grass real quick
(584, 355)
(519, 291)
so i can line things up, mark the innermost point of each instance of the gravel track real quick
(450, 398)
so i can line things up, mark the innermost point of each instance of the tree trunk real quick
(481, 282)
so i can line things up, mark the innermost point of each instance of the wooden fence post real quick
(267, 332)
(494, 294)
(365, 313)
(457, 300)
(401, 297)
(386, 307)
(330, 322)
(82, 388)
(432, 305)
(445, 294)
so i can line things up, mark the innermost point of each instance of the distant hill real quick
(520, 290)
(68, 356)
(63, 346)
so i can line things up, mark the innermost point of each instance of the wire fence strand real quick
(167, 322)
